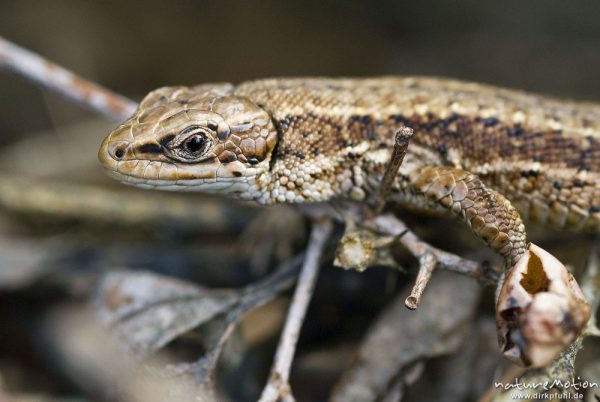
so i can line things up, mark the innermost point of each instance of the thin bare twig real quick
(368, 245)
(390, 225)
(277, 387)
(63, 81)
(255, 295)
(427, 263)
(401, 141)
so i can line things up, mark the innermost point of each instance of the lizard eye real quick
(193, 143)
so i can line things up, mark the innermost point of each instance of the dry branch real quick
(56, 78)
(277, 387)
(390, 225)
(254, 296)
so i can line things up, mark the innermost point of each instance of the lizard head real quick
(201, 138)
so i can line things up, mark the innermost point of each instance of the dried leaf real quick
(93, 360)
(540, 309)
(149, 310)
(401, 337)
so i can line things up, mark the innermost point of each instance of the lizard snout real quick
(112, 152)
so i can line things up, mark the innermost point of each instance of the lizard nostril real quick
(118, 151)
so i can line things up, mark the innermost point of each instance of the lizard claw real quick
(540, 309)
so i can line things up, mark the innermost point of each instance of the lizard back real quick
(541, 153)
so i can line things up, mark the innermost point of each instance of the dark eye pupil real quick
(194, 143)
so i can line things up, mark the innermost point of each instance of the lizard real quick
(493, 157)
(490, 156)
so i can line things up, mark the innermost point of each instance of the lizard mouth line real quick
(199, 184)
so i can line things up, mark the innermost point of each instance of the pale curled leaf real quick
(540, 309)
(149, 310)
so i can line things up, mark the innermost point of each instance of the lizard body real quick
(474, 148)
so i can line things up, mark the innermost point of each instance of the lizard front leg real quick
(490, 216)
(539, 306)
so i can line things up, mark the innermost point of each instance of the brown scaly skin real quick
(475, 147)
